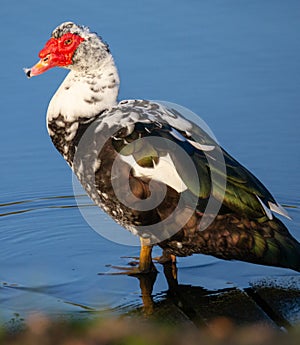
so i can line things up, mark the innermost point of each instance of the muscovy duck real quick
(153, 170)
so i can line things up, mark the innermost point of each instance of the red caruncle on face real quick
(59, 51)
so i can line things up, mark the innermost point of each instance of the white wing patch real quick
(177, 135)
(165, 172)
(279, 209)
(201, 146)
(266, 209)
(198, 146)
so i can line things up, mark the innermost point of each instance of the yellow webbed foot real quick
(143, 266)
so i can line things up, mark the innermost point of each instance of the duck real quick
(153, 169)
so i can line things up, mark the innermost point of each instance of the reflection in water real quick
(256, 304)
(266, 302)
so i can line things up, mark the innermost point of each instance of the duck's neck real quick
(81, 98)
(84, 94)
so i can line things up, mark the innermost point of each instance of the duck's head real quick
(71, 46)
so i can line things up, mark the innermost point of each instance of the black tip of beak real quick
(27, 71)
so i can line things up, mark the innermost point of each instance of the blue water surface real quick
(235, 63)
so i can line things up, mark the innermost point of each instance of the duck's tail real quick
(275, 246)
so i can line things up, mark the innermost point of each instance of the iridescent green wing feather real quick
(225, 178)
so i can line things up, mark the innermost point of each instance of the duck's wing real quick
(218, 173)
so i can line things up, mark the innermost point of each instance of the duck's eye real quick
(68, 41)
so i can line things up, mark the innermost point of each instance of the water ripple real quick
(51, 202)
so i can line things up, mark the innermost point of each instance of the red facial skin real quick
(58, 52)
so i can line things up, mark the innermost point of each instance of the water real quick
(235, 64)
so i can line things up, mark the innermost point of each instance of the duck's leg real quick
(145, 263)
(169, 260)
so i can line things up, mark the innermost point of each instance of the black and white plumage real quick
(92, 131)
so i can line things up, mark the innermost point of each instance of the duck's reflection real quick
(271, 305)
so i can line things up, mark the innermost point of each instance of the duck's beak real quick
(40, 67)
